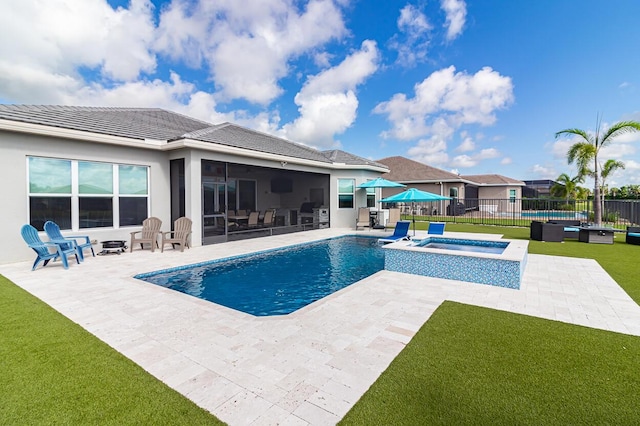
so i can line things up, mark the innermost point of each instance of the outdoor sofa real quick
(551, 232)
(571, 227)
(633, 235)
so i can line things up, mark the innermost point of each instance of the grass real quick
(472, 365)
(55, 372)
(467, 365)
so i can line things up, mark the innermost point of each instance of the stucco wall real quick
(13, 173)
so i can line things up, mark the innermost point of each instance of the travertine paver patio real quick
(309, 367)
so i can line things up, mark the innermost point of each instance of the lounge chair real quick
(148, 233)
(436, 228)
(55, 236)
(633, 235)
(31, 237)
(401, 232)
(180, 234)
(364, 218)
(394, 217)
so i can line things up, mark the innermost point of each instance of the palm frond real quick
(577, 132)
(618, 129)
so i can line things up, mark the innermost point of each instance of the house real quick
(101, 171)
(538, 188)
(470, 192)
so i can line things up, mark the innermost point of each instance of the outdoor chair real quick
(633, 235)
(364, 218)
(55, 236)
(269, 218)
(180, 234)
(148, 234)
(550, 232)
(436, 228)
(394, 217)
(42, 249)
(401, 232)
(253, 220)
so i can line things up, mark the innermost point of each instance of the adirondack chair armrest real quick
(133, 233)
(86, 238)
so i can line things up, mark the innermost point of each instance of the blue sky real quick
(468, 86)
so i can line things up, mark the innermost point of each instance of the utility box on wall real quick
(321, 217)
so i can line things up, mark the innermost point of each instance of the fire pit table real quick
(113, 246)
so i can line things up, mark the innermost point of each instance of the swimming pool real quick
(277, 282)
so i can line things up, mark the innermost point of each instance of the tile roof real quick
(493, 179)
(159, 124)
(405, 170)
(134, 123)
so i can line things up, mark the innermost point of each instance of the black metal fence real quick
(521, 211)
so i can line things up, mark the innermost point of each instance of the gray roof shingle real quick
(159, 124)
(493, 179)
(403, 169)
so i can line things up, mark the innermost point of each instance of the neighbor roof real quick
(494, 179)
(405, 170)
(163, 125)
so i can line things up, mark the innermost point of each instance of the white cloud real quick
(466, 145)
(464, 161)
(544, 172)
(506, 160)
(456, 12)
(457, 98)
(63, 36)
(431, 151)
(412, 41)
(488, 153)
(247, 49)
(327, 102)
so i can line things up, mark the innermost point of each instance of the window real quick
(87, 194)
(453, 192)
(512, 195)
(371, 197)
(346, 189)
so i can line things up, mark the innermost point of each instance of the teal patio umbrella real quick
(380, 183)
(414, 195)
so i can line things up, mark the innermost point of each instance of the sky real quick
(473, 87)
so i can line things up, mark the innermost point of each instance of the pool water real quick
(551, 214)
(475, 246)
(277, 282)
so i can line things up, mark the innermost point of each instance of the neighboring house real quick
(101, 171)
(538, 188)
(466, 192)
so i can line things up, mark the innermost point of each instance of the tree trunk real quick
(597, 211)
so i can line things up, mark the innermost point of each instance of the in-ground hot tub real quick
(485, 261)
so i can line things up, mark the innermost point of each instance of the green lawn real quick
(467, 365)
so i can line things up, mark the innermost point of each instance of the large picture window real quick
(83, 194)
(346, 193)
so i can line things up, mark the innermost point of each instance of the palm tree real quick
(566, 186)
(607, 169)
(587, 149)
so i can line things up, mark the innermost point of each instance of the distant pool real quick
(553, 214)
(277, 282)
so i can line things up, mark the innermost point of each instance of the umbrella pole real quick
(413, 213)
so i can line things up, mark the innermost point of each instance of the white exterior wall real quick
(346, 218)
(17, 147)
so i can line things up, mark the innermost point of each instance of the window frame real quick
(351, 194)
(75, 195)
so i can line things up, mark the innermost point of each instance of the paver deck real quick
(309, 367)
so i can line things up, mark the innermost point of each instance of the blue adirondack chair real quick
(55, 236)
(31, 237)
(401, 232)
